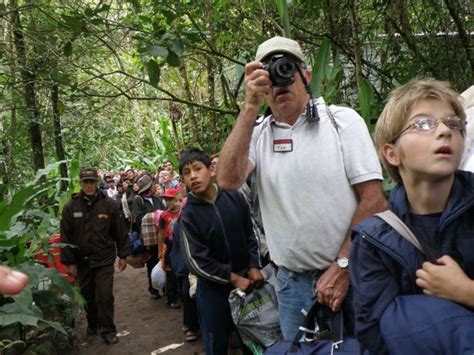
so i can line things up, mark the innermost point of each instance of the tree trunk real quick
(58, 140)
(4, 152)
(356, 43)
(29, 78)
(187, 94)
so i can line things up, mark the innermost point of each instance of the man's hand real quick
(332, 287)
(446, 280)
(72, 270)
(256, 277)
(257, 85)
(240, 282)
(122, 264)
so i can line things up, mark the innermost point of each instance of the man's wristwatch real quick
(342, 262)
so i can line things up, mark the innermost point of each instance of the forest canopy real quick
(131, 83)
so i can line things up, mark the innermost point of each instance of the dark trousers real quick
(97, 289)
(190, 313)
(215, 319)
(171, 280)
(150, 264)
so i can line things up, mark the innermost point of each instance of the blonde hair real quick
(394, 116)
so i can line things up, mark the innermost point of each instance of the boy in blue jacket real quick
(219, 245)
(420, 140)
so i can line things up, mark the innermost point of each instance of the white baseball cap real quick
(279, 45)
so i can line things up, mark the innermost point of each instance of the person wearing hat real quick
(144, 202)
(92, 223)
(329, 151)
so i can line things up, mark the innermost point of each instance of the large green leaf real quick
(153, 72)
(320, 67)
(7, 319)
(15, 206)
(366, 96)
(158, 51)
(282, 7)
(173, 59)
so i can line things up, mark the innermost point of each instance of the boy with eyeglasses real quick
(420, 140)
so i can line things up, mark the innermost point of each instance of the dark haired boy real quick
(219, 247)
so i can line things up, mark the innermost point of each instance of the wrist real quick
(250, 111)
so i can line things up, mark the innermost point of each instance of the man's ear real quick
(390, 154)
(308, 74)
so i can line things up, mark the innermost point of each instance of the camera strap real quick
(311, 109)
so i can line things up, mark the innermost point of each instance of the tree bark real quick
(356, 43)
(58, 140)
(29, 79)
(187, 94)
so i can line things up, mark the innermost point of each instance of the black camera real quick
(282, 69)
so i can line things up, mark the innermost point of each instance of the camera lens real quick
(285, 68)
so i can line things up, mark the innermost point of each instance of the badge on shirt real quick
(104, 216)
(282, 145)
(77, 214)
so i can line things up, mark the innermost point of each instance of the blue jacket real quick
(178, 264)
(217, 238)
(383, 264)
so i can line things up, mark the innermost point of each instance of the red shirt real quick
(166, 221)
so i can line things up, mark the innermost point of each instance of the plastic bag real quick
(158, 276)
(256, 316)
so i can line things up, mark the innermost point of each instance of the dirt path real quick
(151, 325)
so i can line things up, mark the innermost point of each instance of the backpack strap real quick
(396, 223)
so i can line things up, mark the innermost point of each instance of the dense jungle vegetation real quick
(130, 83)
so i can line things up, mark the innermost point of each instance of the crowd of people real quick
(315, 184)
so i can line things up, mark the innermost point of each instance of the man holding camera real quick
(329, 152)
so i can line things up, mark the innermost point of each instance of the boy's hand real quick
(446, 280)
(240, 282)
(256, 277)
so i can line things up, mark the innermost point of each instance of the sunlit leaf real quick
(158, 51)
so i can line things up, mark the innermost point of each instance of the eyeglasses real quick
(426, 123)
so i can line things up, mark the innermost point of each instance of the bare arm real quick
(333, 284)
(446, 280)
(234, 165)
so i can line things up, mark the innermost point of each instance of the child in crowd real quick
(219, 247)
(165, 234)
(178, 265)
(420, 140)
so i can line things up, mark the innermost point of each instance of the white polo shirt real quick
(306, 195)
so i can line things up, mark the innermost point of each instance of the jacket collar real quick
(460, 198)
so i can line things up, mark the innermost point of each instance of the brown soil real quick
(151, 324)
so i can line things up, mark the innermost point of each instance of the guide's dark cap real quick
(88, 174)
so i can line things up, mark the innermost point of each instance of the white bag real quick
(158, 277)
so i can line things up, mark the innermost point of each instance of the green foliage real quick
(27, 220)
(118, 65)
(327, 75)
(366, 98)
